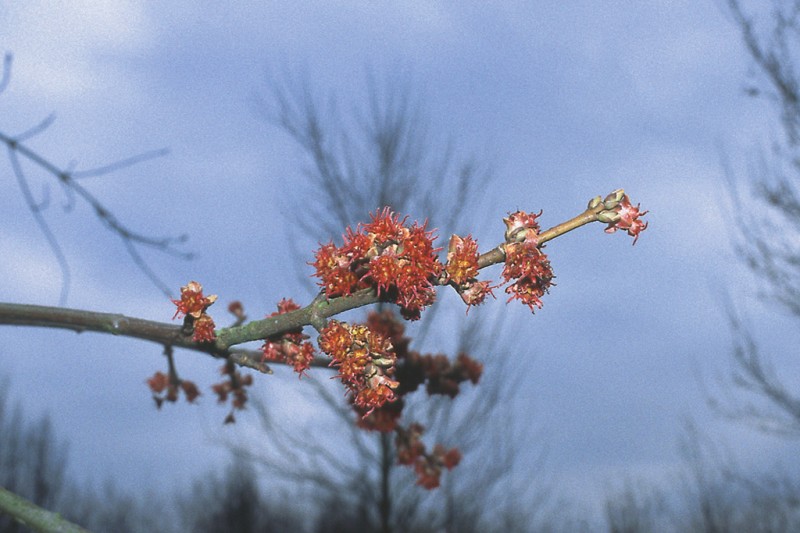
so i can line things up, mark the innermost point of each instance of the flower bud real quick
(608, 216)
(613, 199)
(594, 202)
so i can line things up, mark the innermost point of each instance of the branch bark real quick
(33, 516)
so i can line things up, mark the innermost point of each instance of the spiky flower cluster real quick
(193, 305)
(428, 466)
(365, 360)
(462, 270)
(290, 347)
(628, 219)
(526, 263)
(412, 369)
(398, 260)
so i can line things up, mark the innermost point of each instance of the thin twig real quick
(72, 188)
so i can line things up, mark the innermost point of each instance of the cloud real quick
(60, 43)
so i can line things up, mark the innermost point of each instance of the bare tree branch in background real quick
(385, 157)
(768, 215)
(763, 401)
(711, 495)
(68, 179)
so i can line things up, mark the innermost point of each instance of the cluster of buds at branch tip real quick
(618, 213)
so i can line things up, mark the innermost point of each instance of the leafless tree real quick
(379, 152)
(75, 189)
(32, 461)
(768, 212)
(635, 508)
(708, 494)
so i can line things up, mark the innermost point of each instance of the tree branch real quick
(315, 314)
(33, 516)
(117, 324)
(321, 308)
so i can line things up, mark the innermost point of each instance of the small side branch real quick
(68, 178)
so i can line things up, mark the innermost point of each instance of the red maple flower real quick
(429, 467)
(469, 367)
(333, 268)
(400, 262)
(204, 329)
(233, 386)
(190, 390)
(529, 266)
(409, 444)
(192, 301)
(462, 271)
(383, 418)
(290, 347)
(383, 270)
(628, 219)
(158, 382)
(462, 259)
(521, 226)
(365, 360)
(386, 226)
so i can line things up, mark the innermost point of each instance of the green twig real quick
(33, 516)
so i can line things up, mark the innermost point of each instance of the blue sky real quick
(566, 100)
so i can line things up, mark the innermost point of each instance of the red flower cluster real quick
(525, 261)
(290, 347)
(411, 451)
(166, 389)
(462, 270)
(444, 377)
(399, 261)
(234, 386)
(628, 219)
(193, 305)
(412, 369)
(365, 360)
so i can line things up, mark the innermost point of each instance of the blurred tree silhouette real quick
(380, 153)
(768, 214)
(710, 495)
(234, 502)
(32, 462)
(34, 465)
